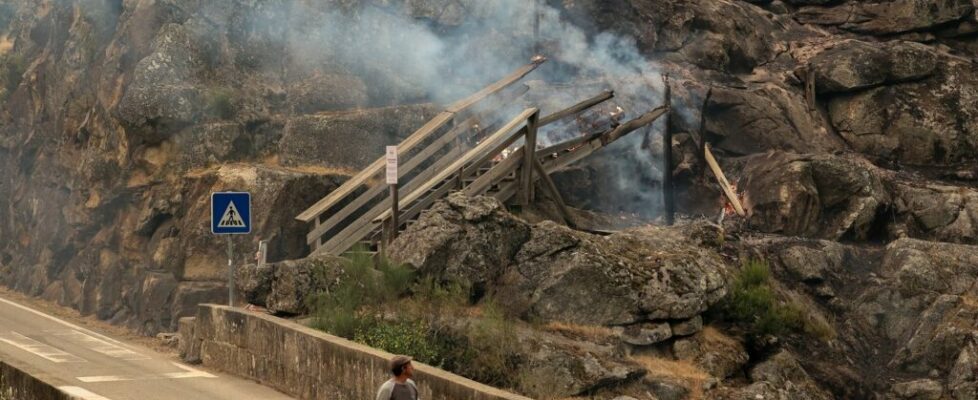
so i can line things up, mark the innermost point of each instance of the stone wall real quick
(18, 384)
(304, 362)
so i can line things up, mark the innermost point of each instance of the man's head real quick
(400, 366)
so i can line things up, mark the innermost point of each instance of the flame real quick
(728, 208)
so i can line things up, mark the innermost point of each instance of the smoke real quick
(408, 51)
(446, 52)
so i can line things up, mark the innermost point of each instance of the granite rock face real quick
(540, 271)
(119, 118)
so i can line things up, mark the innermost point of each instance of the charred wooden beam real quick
(577, 108)
(554, 194)
(529, 157)
(668, 198)
(633, 125)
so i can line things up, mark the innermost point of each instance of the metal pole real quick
(230, 271)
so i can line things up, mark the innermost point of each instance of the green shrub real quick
(218, 103)
(366, 283)
(752, 302)
(405, 337)
(491, 353)
(369, 303)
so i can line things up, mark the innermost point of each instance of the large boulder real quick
(541, 271)
(814, 196)
(285, 287)
(462, 239)
(729, 36)
(889, 17)
(644, 274)
(165, 94)
(853, 65)
(934, 211)
(555, 365)
(755, 120)
(926, 122)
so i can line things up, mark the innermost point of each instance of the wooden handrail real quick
(378, 189)
(408, 167)
(577, 108)
(416, 138)
(480, 150)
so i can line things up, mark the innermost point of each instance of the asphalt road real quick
(92, 366)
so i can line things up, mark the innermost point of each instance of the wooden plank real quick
(501, 135)
(578, 154)
(566, 145)
(417, 137)
(353, 229)
(724, 184)
(350, 236)
(378, 189)
(506, 191)
(495, 87)
(374, 169)
(554, 194)
(365, 225)
(529, 153)
(633, 125)
(603, 140)
(499, 171)
(577, 108)
(426, 202)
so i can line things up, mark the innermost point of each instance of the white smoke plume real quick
(452, 52)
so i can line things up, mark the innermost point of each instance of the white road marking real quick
(65, 323)
(81, 393)
(102, 346)
(190, 373)
(39, 349)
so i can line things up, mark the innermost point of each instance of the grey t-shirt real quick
(391, 390)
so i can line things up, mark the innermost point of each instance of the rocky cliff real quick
(849, 126)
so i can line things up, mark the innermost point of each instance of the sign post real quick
(230, 215)
(392, 182)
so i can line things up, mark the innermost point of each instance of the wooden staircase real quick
(438, 159)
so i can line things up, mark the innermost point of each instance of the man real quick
(400, 387)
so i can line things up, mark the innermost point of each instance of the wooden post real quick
(529, 156)
(667, 186)
(395, 225)
(552, 188)
(460, 179)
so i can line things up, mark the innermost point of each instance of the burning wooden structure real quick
(438, 158)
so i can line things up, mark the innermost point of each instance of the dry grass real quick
(969, 301)
(321, 170)
(274, 161)
(5, 44)
(591, 332)
(686, 372)
(713, 335)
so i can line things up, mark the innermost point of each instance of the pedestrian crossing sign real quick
(230, 213)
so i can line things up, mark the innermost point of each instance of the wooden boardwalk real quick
(467, 147)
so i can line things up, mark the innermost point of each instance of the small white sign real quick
(391, 165)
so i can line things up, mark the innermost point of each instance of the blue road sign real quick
(230, 213)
